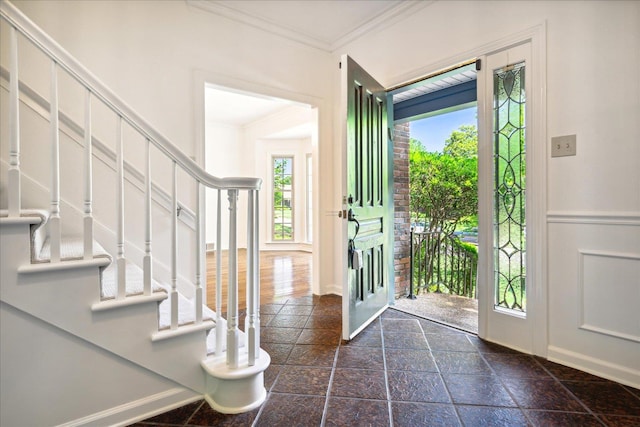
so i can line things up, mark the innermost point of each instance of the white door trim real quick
(536, 175)
(536, 200)
(202, 77)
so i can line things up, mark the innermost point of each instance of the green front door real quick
(368, 203)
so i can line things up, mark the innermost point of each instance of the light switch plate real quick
(563, 146)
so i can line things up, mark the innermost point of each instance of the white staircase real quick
(145, 309)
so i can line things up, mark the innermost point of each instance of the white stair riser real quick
(64, 299)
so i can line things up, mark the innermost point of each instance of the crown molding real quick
(389, 16)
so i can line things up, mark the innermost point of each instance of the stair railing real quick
(19, 24)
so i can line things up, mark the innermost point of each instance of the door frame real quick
(536, 176)
(202, 77)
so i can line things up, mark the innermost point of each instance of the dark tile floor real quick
(407, 371)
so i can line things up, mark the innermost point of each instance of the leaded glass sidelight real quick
(509, 223)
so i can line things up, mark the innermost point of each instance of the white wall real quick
(224, 156)
(593, 199)
(72, 379)
(150, 52)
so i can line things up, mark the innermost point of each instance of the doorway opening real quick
(438, 116)
(249, 134)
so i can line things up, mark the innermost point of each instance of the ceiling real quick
(229, 107)
(438, 82)
(324, 24)
(238, 109)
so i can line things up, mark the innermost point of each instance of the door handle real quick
(351, 216)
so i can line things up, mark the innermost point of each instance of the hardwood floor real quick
(282, 275)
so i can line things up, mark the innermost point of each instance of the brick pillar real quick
(402, 220)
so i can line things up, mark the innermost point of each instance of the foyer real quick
(418, 373)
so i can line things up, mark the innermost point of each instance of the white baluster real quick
(250, 327)
(199, 251)
(147, 260)
(13, 178)
(54, 220)
(120, 259)
(174, 249)
(232, 287)
(219, 333)
(256, 272)
(88, 179)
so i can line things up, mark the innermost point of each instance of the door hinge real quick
(478, 64)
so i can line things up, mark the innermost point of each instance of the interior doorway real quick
(275, 139)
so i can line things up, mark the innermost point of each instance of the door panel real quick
(370, 211)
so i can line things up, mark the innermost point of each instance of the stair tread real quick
(71, 248)
(37, 228)
(134, 280)
(135, 286)
(186, 312)
(41, 213)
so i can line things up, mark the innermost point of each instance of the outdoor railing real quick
(442, 263)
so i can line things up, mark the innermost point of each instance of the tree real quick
(462, 142)
(443, 189)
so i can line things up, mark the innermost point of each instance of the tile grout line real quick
(503, 384)
(325, 410)
(444, 383)
(193, 413)
(386, 374)
(262, 406)
(565, 388)
(551, 377)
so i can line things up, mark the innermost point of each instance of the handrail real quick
(79, 72)
(227, 346)
(187, 216)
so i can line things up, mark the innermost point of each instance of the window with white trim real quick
(282, 167)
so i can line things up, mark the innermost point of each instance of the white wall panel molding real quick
(594, 217)
(609, 279)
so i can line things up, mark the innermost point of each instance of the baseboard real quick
(138, 410)
(598, 367)
(332, 288)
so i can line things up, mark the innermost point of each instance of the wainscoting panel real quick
(593, 288)
(609, 279)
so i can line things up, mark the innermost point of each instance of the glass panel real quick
(509, 226)
(282, 198)
(358, 124)
(309, 198)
